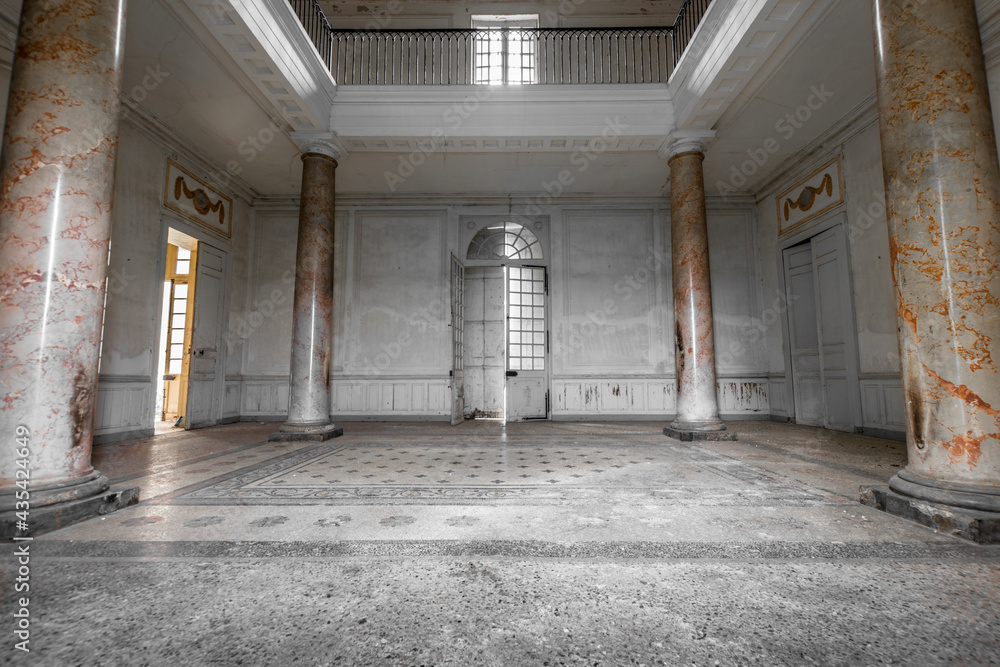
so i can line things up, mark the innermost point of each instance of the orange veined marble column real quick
(57, 180)
(942, 184)
(309, 393)
(697, 400)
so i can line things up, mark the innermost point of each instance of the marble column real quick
(942, 190)
(697, 402)
(312, 324)
(57, 180)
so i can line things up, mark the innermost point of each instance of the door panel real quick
(205, 385)
(833, 322)
(807, 385)
(457, 341)
(527, 343)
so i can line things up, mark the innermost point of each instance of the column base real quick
(61, 505)
(973, 525)
(306, 433)
(690, 431)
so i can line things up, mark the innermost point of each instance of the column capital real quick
(324, 143)
(685, 141)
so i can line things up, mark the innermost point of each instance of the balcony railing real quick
(319, 29)
(526, 55)
(543, 55)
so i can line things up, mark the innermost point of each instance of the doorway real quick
(485, 343)
(821, 332)
(176, 323)
(527, 343)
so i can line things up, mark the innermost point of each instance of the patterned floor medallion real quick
(372, 472)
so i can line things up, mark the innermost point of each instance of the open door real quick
(182, 256)
(205, 383)
(527, 343)
(457, 341)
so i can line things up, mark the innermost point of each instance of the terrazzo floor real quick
(537, 543)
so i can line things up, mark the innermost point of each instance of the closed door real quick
(840, 382)
(205, 385)
(821, 332)
(807, 381)
(527, 343)
(457, 341)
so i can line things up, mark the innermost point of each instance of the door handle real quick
(512, 374)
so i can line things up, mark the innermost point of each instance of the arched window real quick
(505, 240)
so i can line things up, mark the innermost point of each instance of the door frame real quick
(457, 324)
(837, 217)
(170, 219)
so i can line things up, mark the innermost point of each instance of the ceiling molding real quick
(182, 149)
(860, 118)
(733, 44)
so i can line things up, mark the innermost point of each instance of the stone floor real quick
(535, 544)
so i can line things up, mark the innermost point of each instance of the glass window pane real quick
(183, 254)
(183, 267)
(540, 364)
(515, 337)
(175, 367)
(515, 351)
(177, 351)
(516, 299)
(515, 311)
(180, 306)
(515, 364)
(180, 291)
(178, 321)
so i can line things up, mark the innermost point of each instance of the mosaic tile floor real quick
(534, 544)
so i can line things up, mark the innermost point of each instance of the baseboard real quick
(108, 438)
(779, 418)
(884, 433)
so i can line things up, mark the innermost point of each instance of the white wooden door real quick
(835, 328)
(807, 383)
(527, 343)
(457, 341)
(207, 377)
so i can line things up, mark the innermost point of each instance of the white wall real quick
(871, 278)
(611, 319)
(125, 402)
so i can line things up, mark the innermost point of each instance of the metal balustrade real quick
(501, 55)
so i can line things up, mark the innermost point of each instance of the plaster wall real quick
(135, 280)
(610, 309)
(873, 302)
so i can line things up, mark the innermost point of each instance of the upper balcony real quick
(515, 52)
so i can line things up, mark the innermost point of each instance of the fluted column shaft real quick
(56, 185)
(312, 325)
(697, 402)
(942, 183)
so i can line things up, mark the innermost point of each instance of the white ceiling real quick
(210, 102)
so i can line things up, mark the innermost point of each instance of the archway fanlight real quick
(504, 240)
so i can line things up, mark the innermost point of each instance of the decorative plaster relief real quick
(810, 197)
(190, 196)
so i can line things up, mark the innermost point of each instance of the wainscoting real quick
(882, 409)
(124, 408)
(387, 398)
(650, 398)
